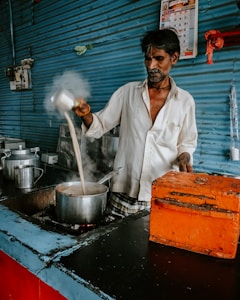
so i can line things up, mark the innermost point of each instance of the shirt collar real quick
(173, 91)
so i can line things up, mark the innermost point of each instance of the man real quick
(157, 126)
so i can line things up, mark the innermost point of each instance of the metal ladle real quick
(108, 176)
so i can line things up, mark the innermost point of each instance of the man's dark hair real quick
(165, 39)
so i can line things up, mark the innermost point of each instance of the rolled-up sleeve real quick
(187, 141)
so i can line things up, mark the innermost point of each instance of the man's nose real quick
(152, 63)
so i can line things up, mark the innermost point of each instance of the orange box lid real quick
(198, 188)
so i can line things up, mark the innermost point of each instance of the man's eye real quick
(159, 58)
(147, 58)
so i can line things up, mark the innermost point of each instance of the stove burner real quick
(48, 217)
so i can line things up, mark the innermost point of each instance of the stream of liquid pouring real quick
(76, 151)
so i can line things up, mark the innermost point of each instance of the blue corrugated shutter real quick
(49, 31)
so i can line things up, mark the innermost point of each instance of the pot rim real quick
(76, 183)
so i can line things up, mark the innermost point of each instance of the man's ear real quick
(175, 58)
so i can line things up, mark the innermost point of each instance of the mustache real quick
(154, 71)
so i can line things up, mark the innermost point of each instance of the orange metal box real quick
(196, 212)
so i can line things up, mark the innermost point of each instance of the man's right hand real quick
(81, 108)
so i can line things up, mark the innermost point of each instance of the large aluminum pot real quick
(74, 207)
(19, 157)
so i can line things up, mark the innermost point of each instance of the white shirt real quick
(146, 151)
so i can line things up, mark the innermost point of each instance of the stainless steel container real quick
(19, 157)
(109, 147)
(75, 208)
(24, 176)
(63, 100)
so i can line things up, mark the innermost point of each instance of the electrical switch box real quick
(22, 79)
(49, 158)
(20, 76)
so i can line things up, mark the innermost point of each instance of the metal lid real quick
(20, 151)
(24, 151)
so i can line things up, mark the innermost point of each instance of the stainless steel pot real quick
(73, 207)
(19, 157)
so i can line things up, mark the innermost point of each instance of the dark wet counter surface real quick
(126, 265)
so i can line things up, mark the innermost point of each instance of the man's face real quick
(158, 64)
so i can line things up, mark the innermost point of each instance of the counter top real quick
(116, 261)
(125, 265)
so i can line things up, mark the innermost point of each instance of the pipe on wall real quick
(12, 33)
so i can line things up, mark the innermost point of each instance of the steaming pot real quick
(19, 157)
(74, 208)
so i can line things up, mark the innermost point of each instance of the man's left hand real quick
(184, 162)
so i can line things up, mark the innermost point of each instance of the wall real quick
(48, 31)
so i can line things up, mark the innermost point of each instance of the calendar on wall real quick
(182, 15)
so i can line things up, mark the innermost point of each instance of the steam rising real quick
(75, 84)
(71, 81)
